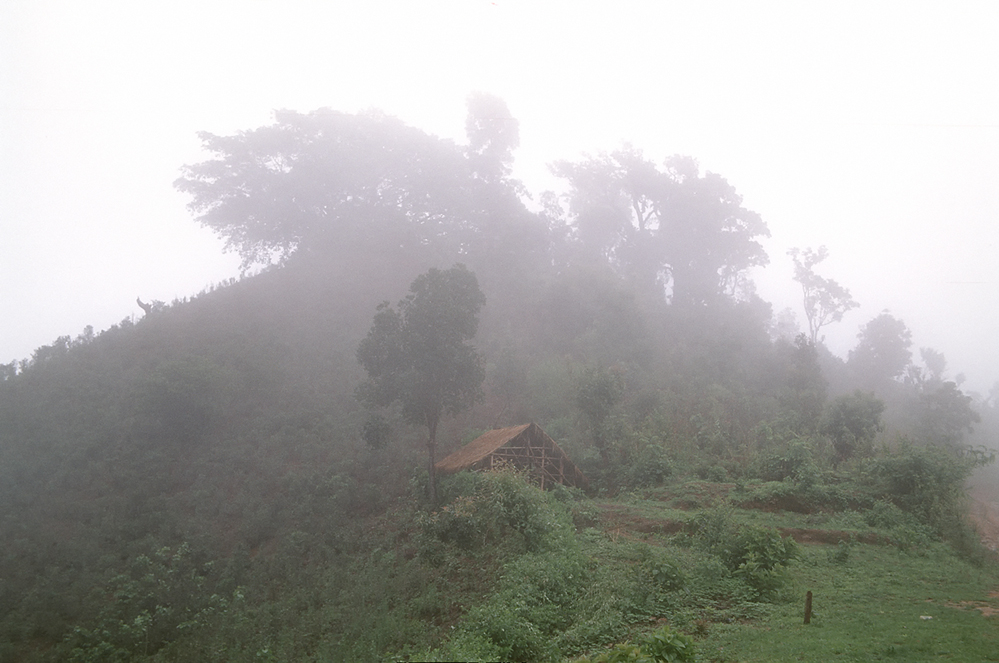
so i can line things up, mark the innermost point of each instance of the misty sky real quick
(872, 128)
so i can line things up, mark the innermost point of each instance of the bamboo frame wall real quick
(524, 447)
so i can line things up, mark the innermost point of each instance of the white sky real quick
(870, 127)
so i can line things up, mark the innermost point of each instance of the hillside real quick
(205, 484)
(201, 473)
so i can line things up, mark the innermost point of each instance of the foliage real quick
(925, 481)
(498, 508)
(666, 229)
(804, 395)
(793, 460)
(882, 353)
(650, 465)
(755, 554)
(657, 579)
(661, 646)
(945, 414)
(852, 422)
(376, 431)
(825, 300)
(500, 513)
(419, 354)
(597, 392)
(202, 484)
(325, 181)
(493, 135)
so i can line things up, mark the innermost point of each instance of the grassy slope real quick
(869, 599)
(871, 608)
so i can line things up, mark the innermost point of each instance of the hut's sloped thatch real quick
(525, 447)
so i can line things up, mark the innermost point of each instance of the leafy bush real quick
(927, 482)
(715, 473)
(650, 466)
(661, 646)
(758, 555)
(503, 632)
(536, 601)
(668, 647)
(841, 553)
(852, 422)
(500, 507)
(657, 578)
(793, 460)
(906, 531)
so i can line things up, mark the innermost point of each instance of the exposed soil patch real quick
(698, 494)
(985, 516)
(831, 536)
(987, 609)
(616, 517)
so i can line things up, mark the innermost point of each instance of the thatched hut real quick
(524, 447)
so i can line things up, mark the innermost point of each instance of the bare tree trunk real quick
(432, 451)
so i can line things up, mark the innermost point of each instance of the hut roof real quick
(479, 448)
(525, 446)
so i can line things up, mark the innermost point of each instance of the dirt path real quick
(985, 515)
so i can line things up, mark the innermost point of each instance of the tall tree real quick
(710, 237)
(418, 353)
(507, 245)
(668, 228)
(932, 375)
(329, 181)
(804, 390)
(945, 414)
(598, 391)
(882, 352)
(493, 134)
(825, 300)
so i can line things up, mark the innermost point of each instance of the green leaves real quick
(668, 228)
(825, 300)
(662, 646)
(418, 355)
(597, 393)
(340, 182)
(852, 422)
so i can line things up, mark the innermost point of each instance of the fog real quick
(870, 130)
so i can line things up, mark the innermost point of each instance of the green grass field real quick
(871, 602)
(880, 604)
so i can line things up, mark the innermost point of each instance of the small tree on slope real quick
(418, 353)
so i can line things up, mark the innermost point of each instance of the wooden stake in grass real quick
(808, 607)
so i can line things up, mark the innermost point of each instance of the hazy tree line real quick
(244, 439)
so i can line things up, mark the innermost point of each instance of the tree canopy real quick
(668, 228)
(418, 354)
(327, 181)
(882, 352)
(825, 301)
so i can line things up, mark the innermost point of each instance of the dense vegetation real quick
(208, 483)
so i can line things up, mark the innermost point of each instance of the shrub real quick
(661, 646)
(715, 473)
(656, 579)
(793, 460)
(905, 530)
(498, 507)
(841, 553)
(650, 466)
(756, 554)
(927, 482)
(503, 633)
